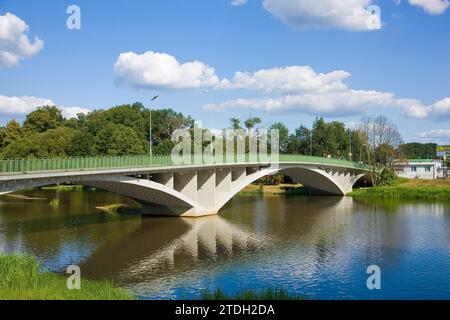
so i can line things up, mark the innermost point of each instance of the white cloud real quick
(238, 2)
(440, 109)
(431, 6)
(14, 42)
(72, 112)
(153, 70)
(439, 136)
(344, 103)
(349, 14)
(22, 105)
(293, 79)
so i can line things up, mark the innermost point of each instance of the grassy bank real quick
(268, 294)
(409, 189)
(64, 187)
(120, 208)
(283, 188)
(20, 279)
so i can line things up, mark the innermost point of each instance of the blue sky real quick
(297, 60)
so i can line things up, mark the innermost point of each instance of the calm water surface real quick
(317, 246)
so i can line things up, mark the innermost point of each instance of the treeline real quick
(121, 130)
(124, 130)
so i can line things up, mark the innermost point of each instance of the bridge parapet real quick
(24, 166)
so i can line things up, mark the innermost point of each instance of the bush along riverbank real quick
(20, 279)
(408, 189)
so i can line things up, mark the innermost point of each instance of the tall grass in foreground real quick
(268, 294)
(20, 279)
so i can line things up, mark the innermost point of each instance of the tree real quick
(251, 123)
(131, 116)
(43, 119)
(52, 143)
(235, 123)
(417, 150)
(382, 139)
(283, 134)
(82, 144)
(10, 133)
(117, 139)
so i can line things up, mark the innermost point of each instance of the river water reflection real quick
(317, 246)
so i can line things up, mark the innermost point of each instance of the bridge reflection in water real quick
(163, 245)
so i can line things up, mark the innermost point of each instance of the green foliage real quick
(52, 143)
(117, 139)
(10, 133)
(43, 119)
(21, 279)
(272, 180)
(82, 144)
(387, 178)
(417, 150)
(394, 192)
(121, 130)
(283, 134)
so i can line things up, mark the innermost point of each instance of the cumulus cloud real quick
(14, 42)
(350, 102)
(154, 70)
(292, 79)
(431, 6)
(438, 135)
(349, 15)
(22, 105)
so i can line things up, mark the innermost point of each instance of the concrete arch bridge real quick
(190, 190)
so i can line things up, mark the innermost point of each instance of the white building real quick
(419, 169)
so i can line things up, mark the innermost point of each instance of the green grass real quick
(268, 294)
(20, 279)
(405, 192)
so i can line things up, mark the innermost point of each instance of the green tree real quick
(43, 119)
(117, 139)
(283, 134)
(82, 144)
(131, 116)
(52, 143)
(10, 133)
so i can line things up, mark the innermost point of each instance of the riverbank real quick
(20, 279)
(282, 188)
(408, 189)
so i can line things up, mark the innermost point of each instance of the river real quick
(314, 246)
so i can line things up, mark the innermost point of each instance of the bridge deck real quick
(9, 167)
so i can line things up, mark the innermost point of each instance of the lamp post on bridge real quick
(150, 127)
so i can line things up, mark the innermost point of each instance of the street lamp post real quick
(150, 127)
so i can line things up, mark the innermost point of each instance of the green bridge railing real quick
(23, 166)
